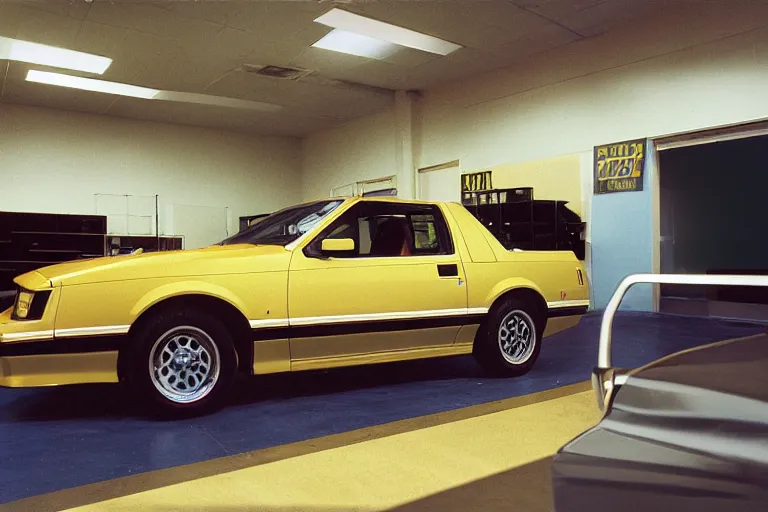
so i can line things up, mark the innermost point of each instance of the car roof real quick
(386, 199)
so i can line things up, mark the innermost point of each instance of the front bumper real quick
(31, 355)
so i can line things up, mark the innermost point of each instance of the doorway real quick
(441, 183)
(713, 220)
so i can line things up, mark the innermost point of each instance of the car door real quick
(378, 297)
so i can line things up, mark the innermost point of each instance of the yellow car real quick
(324, 284)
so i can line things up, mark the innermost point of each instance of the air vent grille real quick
(281, 72)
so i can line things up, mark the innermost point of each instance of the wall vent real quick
(281, 72)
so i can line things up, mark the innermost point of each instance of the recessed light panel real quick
(134, 91)
(216, 101)
(34, 53)
(90, 84)
(368, 27)
(338, 40)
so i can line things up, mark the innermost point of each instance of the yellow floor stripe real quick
(385, 472)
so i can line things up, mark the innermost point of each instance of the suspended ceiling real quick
(201, 47)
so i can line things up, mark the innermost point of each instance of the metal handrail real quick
(604, 353)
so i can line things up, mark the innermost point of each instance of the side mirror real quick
(337, 245)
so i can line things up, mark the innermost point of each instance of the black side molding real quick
(80, 345)
(569, 311)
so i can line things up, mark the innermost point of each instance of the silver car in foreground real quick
(686, 432)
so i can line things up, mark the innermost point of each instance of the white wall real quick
(363, 149)
(677, 73)
(690, 66)
(54, 162)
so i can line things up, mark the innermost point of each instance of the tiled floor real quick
(57, 438)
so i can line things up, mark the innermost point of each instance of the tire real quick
(180, 363)
(498, 349)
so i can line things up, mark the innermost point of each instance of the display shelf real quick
(34, 240)
(519, 221)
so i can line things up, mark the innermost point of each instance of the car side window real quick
(386, 229)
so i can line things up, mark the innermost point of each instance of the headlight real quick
(30, 305)
(24, 303)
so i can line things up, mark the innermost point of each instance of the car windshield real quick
(285, 226)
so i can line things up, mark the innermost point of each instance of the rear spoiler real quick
(605, 378)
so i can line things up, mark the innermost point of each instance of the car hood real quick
(227, 259)
(697, 400)
(735, 368)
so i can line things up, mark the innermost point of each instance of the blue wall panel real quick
(622, 235)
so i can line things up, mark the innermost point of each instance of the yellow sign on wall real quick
(619, 167)
(555, 179)
(476, 181)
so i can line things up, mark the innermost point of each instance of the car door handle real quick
(448, 270)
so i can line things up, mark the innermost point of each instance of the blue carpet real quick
(56, 438)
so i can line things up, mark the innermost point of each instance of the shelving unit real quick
(124, 244)
(29, 241)
(519, 221)
(32, 240)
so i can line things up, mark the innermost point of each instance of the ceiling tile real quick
(137, 51)
(230, 44)
(46, 28)
(99, 39)
(557, 9)
(180, 75)
(417, 16)
(217, 12)
(275, 20)
(377, 74)
(608, 15)
(10, 17)
(544, 39)
(117, 14)
(409, 57)
(165, 22)
(461, 63)
(327, 62)
(69, 8)
(476, 23)
(281, 51)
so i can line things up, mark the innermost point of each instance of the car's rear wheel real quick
(181, 362)
(510, 340)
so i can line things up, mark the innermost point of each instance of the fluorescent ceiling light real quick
(216, 101)
(134, 91)
(90, 84)
(355, 44)
(361, 25)
(33, 53)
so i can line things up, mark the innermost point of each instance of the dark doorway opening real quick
(714, 220)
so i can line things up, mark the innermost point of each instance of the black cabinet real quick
(32, 240)
(519, 221)
(29, 241)
(126, 244)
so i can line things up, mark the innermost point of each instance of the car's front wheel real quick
(510, 341)
(181, 362)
